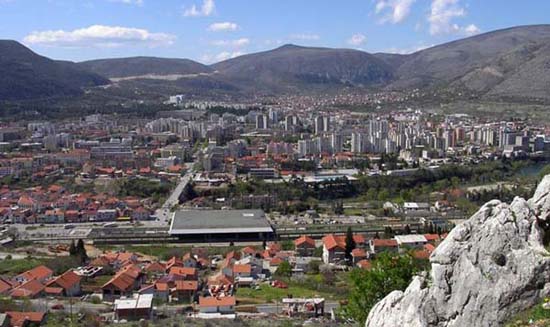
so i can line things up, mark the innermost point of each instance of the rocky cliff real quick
(487, 269)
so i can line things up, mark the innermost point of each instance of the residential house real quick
(30, 290)
(39, 273)
(24, 319)
(304, 246)
(69, 282)
(136, 308)
(126, 280)
(223, 305)
(184, 290)
(358, 255)
(334, 247)
(383, 245)
(185, 272)
(411, 241)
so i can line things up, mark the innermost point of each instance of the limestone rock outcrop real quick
(489, 268)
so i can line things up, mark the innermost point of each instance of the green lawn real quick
(16, 266)
(266, 293)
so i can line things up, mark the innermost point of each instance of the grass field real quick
(266, 293)
(16, 266)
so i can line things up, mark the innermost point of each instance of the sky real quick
(213, 30)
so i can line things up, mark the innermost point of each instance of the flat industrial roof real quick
(219, 222)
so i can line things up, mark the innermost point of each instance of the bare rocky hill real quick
(489, 268)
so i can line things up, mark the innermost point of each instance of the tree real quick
(72, 249)
(284, 269)
(81, 251)
(388, 273)
(313, 266)
(350, 244)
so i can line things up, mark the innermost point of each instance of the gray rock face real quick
(486, 270)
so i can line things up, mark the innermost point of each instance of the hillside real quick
(512, 62)
(296, 68)
(26, 75)
(142, 66)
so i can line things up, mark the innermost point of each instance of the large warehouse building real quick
(221, 225)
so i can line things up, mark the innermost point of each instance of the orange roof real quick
(19, 319)
(65, 281)
(186, 285)
(242, 268)
(364, 264)
(217, 301)
(122, 282)
(306, 240)
(5, 285)
(384, 242)
(276, 261)
(358, 253)
(183, 271)
(41, 272)
(161, 286)
(53, 290)
(431, 237)
(28, 289)
(249, 250)
(421, 254)
(332, 241)
(155, 267)
(429, 247)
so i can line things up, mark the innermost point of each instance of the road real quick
(163, 213)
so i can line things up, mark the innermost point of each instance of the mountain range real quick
(512, 63)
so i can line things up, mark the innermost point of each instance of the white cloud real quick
(393, 11)
(409, 50)
(206, 9)
(232, 43)
(305, 37)
(357, 39)
(442, 16)
(209, 58)
(223, 27)
(129, 2)
(472, 30)
(100, 36)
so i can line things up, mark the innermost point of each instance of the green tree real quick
(81, 251)
(388, 273)
(72, 249)
(350, 244)
(284, 270)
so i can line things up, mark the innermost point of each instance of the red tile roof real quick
(304, 240)
(364, 264)
(332, 241)
(19, 319)
(217, 302)
(384, 242)
(242, 268)
(358, 253)
(431, 237)
(29, 289)
(40, 273)
(65, 281)
(186, 285)
(183, 271)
